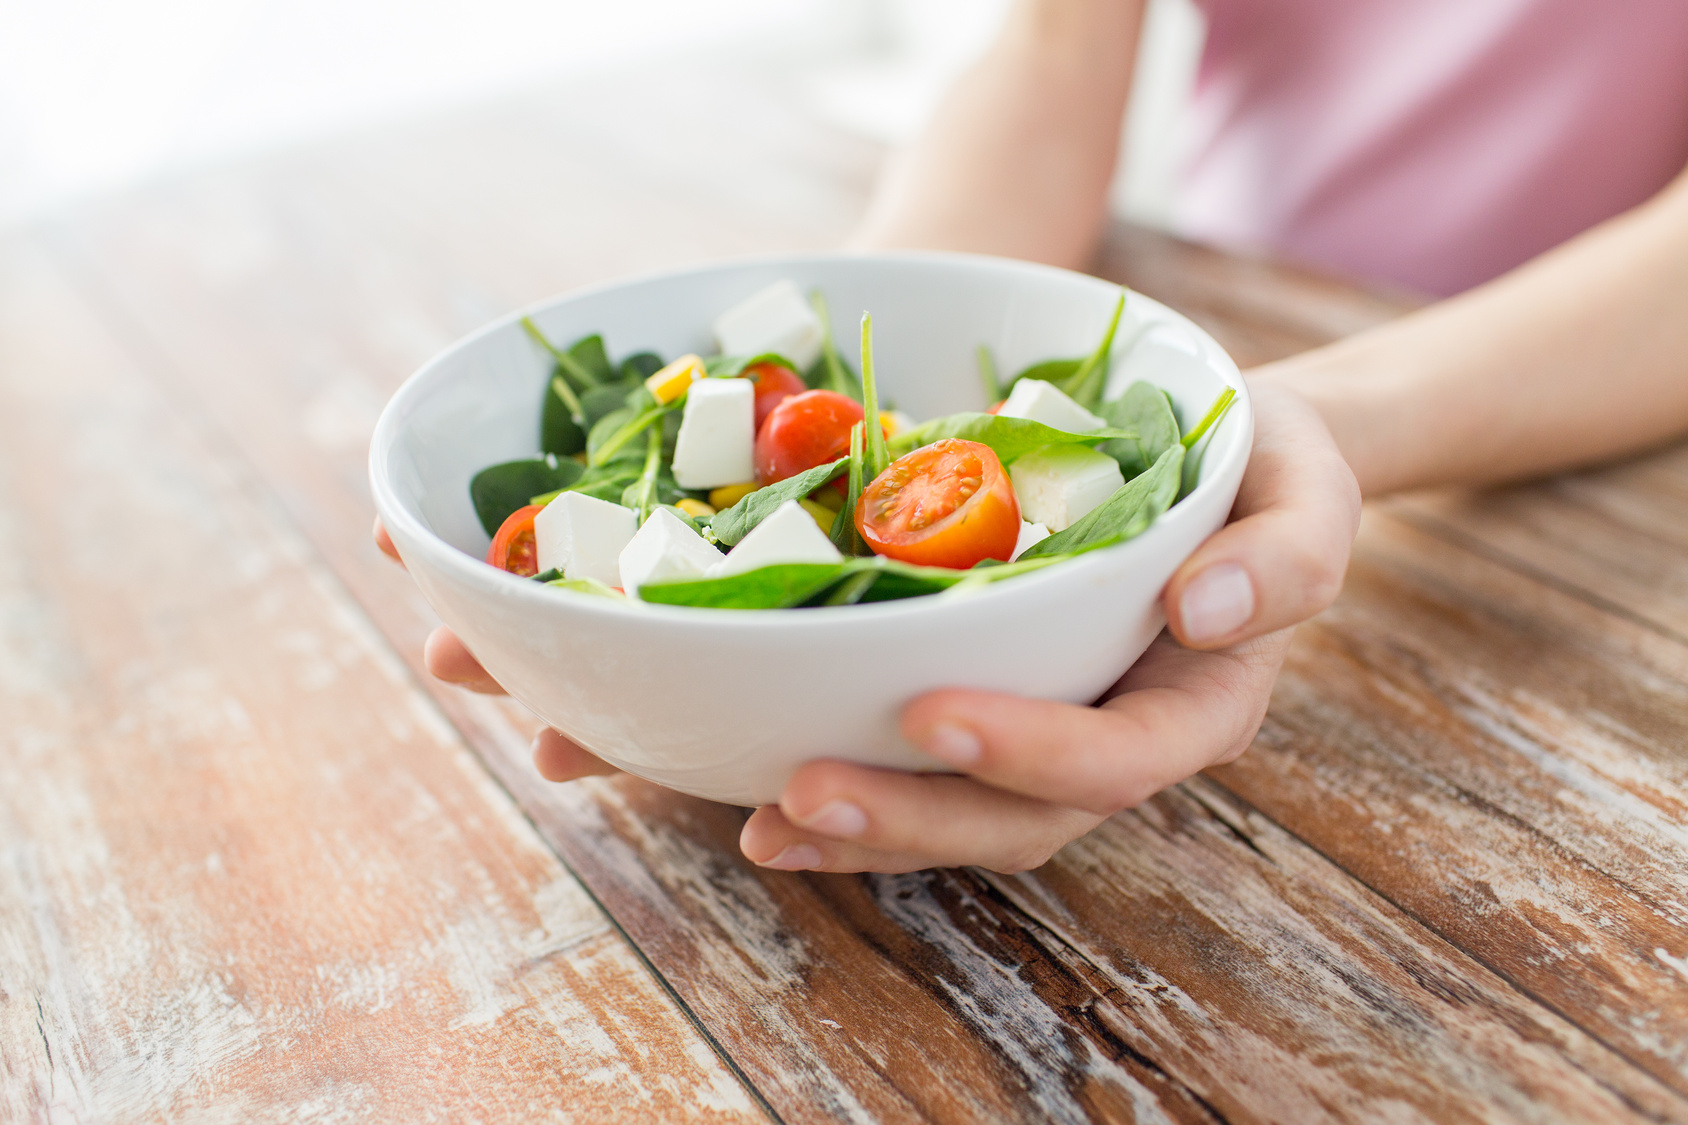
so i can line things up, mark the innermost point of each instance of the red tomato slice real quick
(803, 431)
(513, 548)
(946, 504)
(775, 382)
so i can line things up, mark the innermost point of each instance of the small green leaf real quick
(736, 522)
(1086, 384)
(1057, 371)
(1144, 410)
(1196, 444)
(731, 366)
(1007, 437)
(844, 534)
(781, 586)
(561, 428)
(852, 589)
(586, 586)
(601, 451)
(876, 457)
(1082, 379)
(605, 482)
(639, 366)
(587, 361)
(498, 490)
(599, 401)
(1124, 515)
(1211, 418)
(830, 372)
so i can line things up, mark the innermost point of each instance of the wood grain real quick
(1256, 947)
(1526, 747)
(249, 872)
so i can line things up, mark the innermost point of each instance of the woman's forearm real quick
(1017, 159)
(1578, 356)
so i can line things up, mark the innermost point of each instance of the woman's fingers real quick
(558, 759)
(854, 815)
(1177, 712)
(835, 816)
(447, 659)
(385, 542)
(1282, 558)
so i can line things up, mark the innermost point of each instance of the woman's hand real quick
(1033, 775)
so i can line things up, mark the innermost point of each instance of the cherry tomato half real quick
(513, 548)
(775, 382)
(946, 504)
(805, 430)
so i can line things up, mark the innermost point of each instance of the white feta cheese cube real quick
(1031, 534)
(717, 440)
(1058, 485)
(583, 536)
(664, 547)
(775, 319)
(1042, 401)
(790, 535)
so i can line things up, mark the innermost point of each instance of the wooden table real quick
(256, 867)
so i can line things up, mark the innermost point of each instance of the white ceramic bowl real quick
(726, 704)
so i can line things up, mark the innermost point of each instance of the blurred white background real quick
(96, 94)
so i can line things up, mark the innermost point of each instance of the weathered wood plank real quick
(246, 870)
(366, 259)
(1507, 763)
(1615, 536)
(1279, 990)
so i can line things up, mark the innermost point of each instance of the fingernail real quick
(840, 819)
(1219, 602)
(953, 744)
(797, 857)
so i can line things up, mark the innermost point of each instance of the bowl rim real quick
(465, 567)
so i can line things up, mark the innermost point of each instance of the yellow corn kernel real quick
(729, 494)
(895, 422)
(823, 516)
(827, 497)
(696, 509)
(672, 381)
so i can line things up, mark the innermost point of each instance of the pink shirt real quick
(1432, 143)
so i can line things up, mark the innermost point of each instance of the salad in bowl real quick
(657, 514)
(749, 479)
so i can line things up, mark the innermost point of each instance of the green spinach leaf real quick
(562, 420)
(876, 456)
(733, 524)
(844, 534)
(830, 372)
(595, 402)
(1145, 410)
(1124, 515)
(586, 586)
(780, 586)
(1083, 378)
(638, 367)
(606, 482)
(1007, 437)
(730, 366)
(498, 490)
(1197, 447)
(788, 585)
(587, 363)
